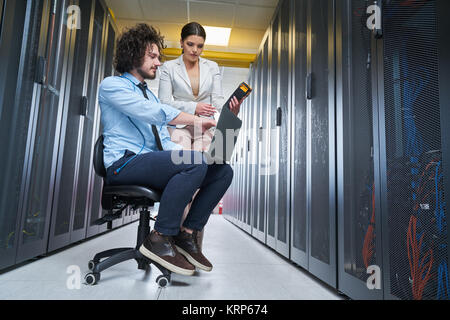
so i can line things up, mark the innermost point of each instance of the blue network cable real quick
(443, 293)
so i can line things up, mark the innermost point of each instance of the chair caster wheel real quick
(92, 278)
(163, 281)
(91, 265)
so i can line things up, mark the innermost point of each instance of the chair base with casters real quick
(119, 198)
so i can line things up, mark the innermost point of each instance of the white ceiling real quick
(248, 18)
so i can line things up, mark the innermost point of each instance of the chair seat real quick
(132, 192)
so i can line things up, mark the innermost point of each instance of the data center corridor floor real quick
(244, 269)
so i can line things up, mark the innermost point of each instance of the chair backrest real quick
(99, 165)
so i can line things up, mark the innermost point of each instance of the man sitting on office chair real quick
(138, 151)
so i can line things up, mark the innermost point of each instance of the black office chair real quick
(115, 199)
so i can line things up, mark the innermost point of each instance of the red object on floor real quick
(220, 206)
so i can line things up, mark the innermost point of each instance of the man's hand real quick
(204, 109)
(205, 124)
(202, 124)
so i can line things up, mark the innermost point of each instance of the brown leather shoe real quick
(187, 245)
(161, 250)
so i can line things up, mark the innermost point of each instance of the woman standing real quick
(194, 85)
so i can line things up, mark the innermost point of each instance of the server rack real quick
(68, 167)
(299, 248)
(272, 100)
(320, 141)
(359, 214)
(415, 236)
(95, 184)
(253, 150)
(15, 82)
(44, 133)
(247, 168)
(48, 201)
(313, 175)
(262, 109)
(282, 123)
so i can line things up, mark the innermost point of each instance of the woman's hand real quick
(235, 105)
(204, 124)
(204, 109)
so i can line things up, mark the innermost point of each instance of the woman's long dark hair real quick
(193, 29)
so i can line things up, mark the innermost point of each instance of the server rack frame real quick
(348, 284)
(39, 247)
(93, 230)
(443, 7)
(325, 272)
(280, 246)
(270, 185)
(296, 255)
(17, 51)
(261, 106)
(58, 241)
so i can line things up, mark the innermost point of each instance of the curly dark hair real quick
(132, 44)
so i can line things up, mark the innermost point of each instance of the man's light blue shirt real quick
(120, 98)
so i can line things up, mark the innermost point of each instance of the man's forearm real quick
(184, 119)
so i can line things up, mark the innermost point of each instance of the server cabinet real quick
(94, 183)
(255, 145)
(68, 221)
(262, 109)
(413, 117)
(16, 90)
(359, 219)
(253, 151)
(272, 90)
(321, 140)
(282, 125)
(44, 133)
(248, 177)
(299, 209)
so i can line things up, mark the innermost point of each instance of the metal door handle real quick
(309, 86)
(279, 117)
(84, 106)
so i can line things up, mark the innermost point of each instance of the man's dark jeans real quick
(178, 183)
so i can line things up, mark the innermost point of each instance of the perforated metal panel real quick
(416, 209)
(320, 219)
(299, 204)
(359, 184)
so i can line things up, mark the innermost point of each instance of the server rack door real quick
(244, 135)
(443, 7)
(322, 259)
(282, 125)
(38, 193)
(359, 218)
(272, 106)
(299, 208)
(63, 219)
(248, 172)
(90, 196)
(17, 53)
(2, 3)
(255, 96)
(415, 243)
(253, 152)
(263, 109)
(239, 194)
